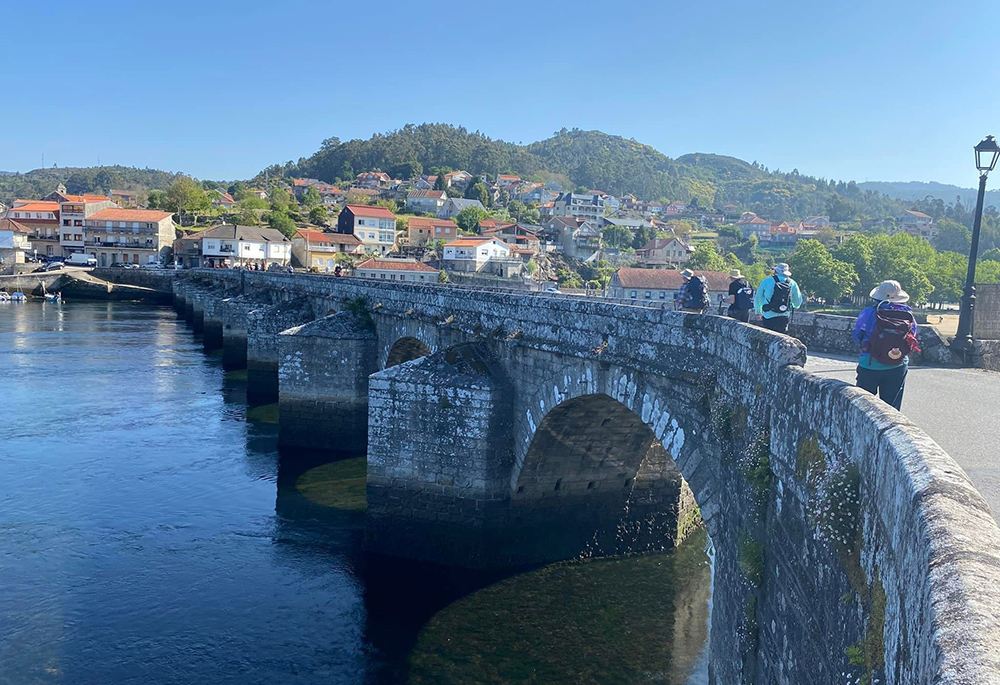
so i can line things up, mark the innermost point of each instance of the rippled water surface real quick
(150, 533)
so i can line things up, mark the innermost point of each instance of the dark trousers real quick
(888, 384)
(778, 324)
(740, 314)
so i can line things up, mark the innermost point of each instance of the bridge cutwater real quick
(512, 428)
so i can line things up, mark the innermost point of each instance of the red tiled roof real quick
(129, 215)
(919, 215)
(322, 237)
(662, 279)
(508, 177)
(419, 222)
(394, 265)
(84, 198)
(11, 225)
(36, 206)
(416, 194)
(375, 212)
(471, 241)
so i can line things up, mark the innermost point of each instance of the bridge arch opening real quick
(406, 350)
(599, 480)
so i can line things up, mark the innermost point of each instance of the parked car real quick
(153, 265)
(553, 290)
(51, 266)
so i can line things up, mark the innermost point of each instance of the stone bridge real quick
(510, 428)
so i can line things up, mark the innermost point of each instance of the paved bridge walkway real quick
(957, 407)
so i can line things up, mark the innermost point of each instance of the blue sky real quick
(848, 90)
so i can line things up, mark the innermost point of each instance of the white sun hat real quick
(889, 291)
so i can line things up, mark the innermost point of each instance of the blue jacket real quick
(864, 327)
(766, 290)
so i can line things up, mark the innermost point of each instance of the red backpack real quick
(892, 339)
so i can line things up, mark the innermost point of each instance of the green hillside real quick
(595, 160)
(41, 182)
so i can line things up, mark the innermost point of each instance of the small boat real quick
(18, 296)
(4, 296)
(53, 297)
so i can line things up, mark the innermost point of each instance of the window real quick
(663, 294)
(648, 295)
(65, 221)
(632, 294)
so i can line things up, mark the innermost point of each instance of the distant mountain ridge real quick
(909, 191)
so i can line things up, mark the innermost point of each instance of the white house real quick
(426, 200)
(409, 270)
(587, 207)
(375, 227)
(455, 205)
(473, 254)
(13, 243)
(917, 224)
(232, 245)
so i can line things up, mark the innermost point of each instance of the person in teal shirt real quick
(776, 297)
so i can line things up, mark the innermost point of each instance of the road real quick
(956, 407)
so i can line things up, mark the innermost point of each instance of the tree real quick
(157, 199)
(408, 170)
(468, 219)
(312, 198)
(238, 190)
(283, 223)
(477, 191)
(516, 209)
(319, 216)
(952, 237)
(248, 217)
(706, 258)
(617, 236)
(839, 209)
(818, 273)
(185, 195)
(253, 202)
(440, 185)
(443, 276)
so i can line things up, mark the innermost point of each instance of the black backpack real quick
(743, 299)
(697, 294)
(780, 297)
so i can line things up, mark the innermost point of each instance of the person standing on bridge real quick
(740, 296)
(776, 297)
(693, 295)
(887, 333)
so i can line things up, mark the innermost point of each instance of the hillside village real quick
(454, 226)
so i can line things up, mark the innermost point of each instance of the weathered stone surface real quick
(323, 370)
(836, 523)
(263, 326)
(830, 333)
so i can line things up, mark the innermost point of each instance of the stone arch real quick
(597, 478)
(615, 422)
(405, 350)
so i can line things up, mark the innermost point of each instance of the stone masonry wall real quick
(849, 546)
(323, 370)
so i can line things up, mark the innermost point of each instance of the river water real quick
(150, 532)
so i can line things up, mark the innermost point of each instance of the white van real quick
(80, 259)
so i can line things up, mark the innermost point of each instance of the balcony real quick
(323, 248)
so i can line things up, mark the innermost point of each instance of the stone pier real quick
(263, 326)
(211, 335)
(323, 370)
(235, 311)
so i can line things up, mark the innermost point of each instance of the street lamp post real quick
(987, 153)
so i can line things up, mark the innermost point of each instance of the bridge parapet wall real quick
(840, 528)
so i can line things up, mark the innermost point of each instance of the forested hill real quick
(41, 182)
(909, 191)
(595, 160)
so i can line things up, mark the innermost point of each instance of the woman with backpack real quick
(740, 296)
(887, 333)
(693, 294)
